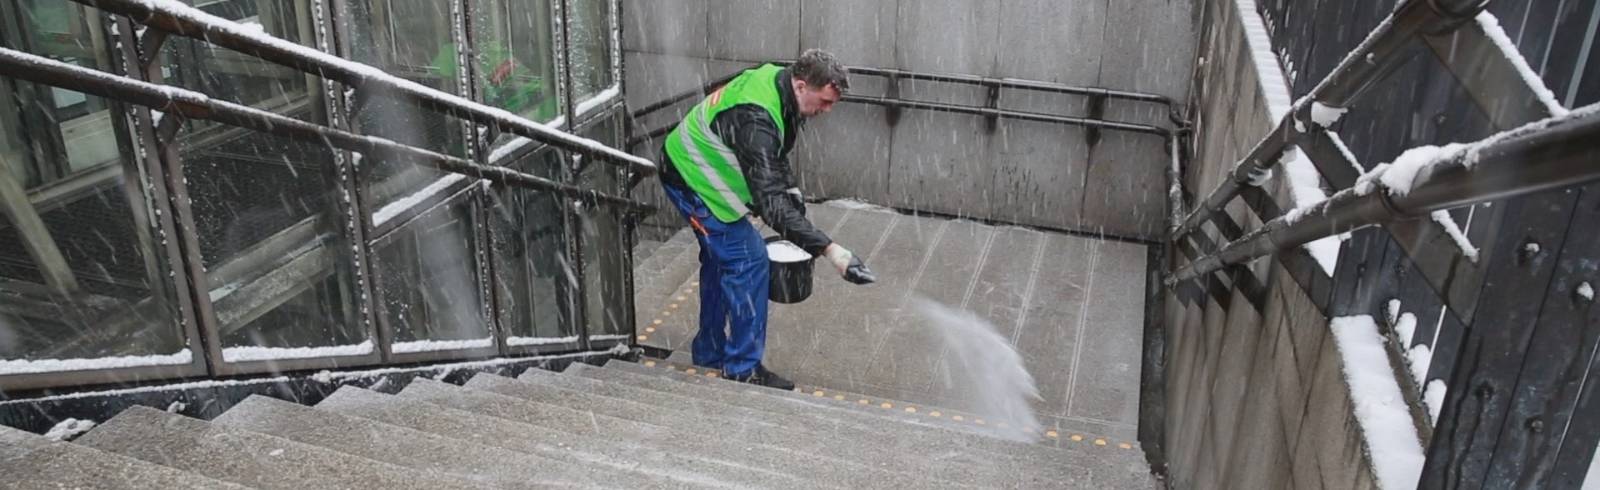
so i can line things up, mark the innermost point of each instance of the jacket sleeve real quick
(755, 141)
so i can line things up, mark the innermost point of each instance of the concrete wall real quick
(1022, 172)
(1256, 394)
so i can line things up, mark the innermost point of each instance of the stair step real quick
(921, 449)
(32, 461)
(816, 470)
(701, 385)
(419, 450)
(815, 414)
(939, 463)
(532, 439)
(248, 458)
(1058, 432)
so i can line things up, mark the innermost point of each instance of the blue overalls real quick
(733, 288)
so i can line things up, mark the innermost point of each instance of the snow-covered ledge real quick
(1393, 445)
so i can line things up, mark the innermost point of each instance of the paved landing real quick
(1073, 306)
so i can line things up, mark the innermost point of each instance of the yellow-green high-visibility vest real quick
(706, 163)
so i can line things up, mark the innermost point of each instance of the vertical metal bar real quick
(329, 32)
(572, 208)
(165, 174)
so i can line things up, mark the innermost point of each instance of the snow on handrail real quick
(177, 18)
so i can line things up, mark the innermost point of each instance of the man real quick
(728, 160)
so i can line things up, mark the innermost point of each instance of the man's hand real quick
(850, 267)
(1260, 176)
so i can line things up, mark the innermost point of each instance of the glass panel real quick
(84, 283)
(279, 263)
(536, 281)
(433, 298)
(516, 59)
(605, 269)
(591, 47)
(64, 31)
(412, 39)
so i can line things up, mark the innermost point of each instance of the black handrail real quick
(1552, 154)
(195, 105)
(194, 23)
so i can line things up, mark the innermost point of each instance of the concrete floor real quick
(1072, 305)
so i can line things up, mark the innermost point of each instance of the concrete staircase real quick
(624, 425)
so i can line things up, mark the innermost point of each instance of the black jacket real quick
(764, 158)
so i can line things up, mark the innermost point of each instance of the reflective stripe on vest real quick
(707, 164)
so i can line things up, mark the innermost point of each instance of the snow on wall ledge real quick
(1393, 446)
(246, 354)
(1303, 178)
(33, 366)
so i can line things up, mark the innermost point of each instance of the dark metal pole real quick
(195, 105)
(194, 23)
(1552, 154)
(1373, 60)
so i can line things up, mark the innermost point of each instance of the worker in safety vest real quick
(729, 160)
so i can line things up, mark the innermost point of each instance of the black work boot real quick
(761, 376)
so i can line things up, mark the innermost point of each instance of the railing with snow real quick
(1516, 397)
(155, 115)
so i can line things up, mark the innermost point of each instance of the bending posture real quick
(729, 159)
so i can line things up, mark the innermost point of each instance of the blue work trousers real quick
(733, 287)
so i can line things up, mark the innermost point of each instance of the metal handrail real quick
(1379, 55)
(197, 24)
(1551, 154)
(195, 105)
(994, 83)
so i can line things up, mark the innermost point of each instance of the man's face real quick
(815, 101)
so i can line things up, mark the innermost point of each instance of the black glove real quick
(850, 267)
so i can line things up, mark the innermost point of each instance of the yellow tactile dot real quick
(1052, 434)
(650, 330)
(935, 413)
(673, 306)
(1099, 442)
(864, 401)
(798, 390)
(690, 371)
(696, 283)
(957, 418)
(713, 374)
(666, 313)
(1125, 446)
(838, 397)
(887, 405)
(682, 298)
(1077, 438)
(671, 367)
(911, 409)
(643, 338)
(657, 322)
(650, 364)
(978, 421)
(817, 393)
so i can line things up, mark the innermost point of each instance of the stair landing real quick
(1073, 306)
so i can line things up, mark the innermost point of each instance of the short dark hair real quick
(820, 68)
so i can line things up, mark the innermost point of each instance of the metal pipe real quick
(1174, 180)
(982, 111)
(1037, 86)
(1370, 62)
(1552, 154)
(194, 23)
(1026, 116)
(195, 105)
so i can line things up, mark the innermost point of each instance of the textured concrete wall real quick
(1022, 172)
(1256, 397)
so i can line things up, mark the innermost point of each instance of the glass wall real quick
(591, 47)
(84, 263)
(273, 241)
(537, 283)
(515, 56)
(605, 248)
(294, 246)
